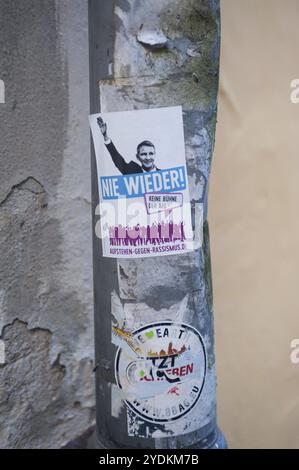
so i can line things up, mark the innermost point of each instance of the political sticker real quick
(160, 202)
(144, 203)
(160, 369)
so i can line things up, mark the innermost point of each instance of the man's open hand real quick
(102, 126)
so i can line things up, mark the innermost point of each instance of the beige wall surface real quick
(254, 196)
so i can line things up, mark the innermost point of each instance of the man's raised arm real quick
(118, 160)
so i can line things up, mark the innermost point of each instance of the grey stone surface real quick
(46, 395)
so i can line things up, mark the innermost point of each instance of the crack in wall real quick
(45, 281)
(30, 184)
(30, 384)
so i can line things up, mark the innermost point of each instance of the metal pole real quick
(151, 54)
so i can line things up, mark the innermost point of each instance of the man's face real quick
(146, 156)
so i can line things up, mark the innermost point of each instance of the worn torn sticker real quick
(160, 369)
(144, 202)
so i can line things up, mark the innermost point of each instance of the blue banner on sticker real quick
(136, 185)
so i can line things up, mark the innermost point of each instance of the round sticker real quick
(162, 371)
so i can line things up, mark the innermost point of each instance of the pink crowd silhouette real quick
(154, 234)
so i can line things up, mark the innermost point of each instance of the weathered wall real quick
(254, 224)
(46, 392)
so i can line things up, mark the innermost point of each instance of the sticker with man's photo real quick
(143, 184)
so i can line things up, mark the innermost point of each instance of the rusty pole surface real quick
(150, 54)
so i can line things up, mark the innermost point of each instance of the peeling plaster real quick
(155, 39)
(30, 384)
(45, 222)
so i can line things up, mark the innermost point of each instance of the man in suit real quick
(146, 154)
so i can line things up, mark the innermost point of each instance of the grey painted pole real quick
(151, 54)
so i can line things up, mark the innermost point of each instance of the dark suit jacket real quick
(120, 163)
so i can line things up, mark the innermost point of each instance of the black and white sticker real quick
(161, 370)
